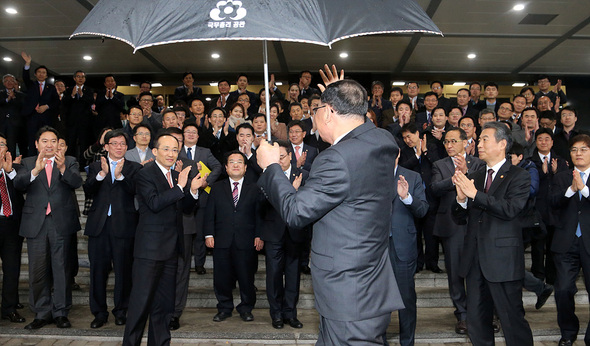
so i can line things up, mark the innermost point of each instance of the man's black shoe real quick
(461, 327)
(201, 270)
(36, 324)
(277, 323)
(121, 320)
(436, 270)
(496, 325)
(75, 286)
(305, 270)
(221, 316)
(246, 316)
(174, 323)
(14, 317)
(62, 322)
(564, 342)
(98, 322)
(293, 322)
(542, 299)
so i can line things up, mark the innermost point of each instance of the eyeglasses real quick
(294, 132)
(466, 126)
(488, 119)
(282, 157)
(315, 109)
(506, 109)
(450, 141)
(191, 132)
(146, 100)
(583, 150)
(117, 144)
(232, 162)
(167, 150)
(142, 134)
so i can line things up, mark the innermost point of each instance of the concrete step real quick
(434, 326)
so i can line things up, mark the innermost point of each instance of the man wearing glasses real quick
(571, 243)
(303, 154)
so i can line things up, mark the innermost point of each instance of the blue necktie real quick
(189, 154)
(113, 166)
(579, 230)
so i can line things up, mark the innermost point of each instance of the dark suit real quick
(493, 256)
(312, 152)
(110, 237)
(34, 98)
(109, 109)
(403, 249)
(254, 104)
(57, 228)
(79, 121)
(10, 245)
(181, 93)
(229, 101)
(349, 248)
(283, 247)
(194, 238)
(445, 103)
(13, 121)
(310, 91)
(419, 104)
(234, 255)
(451, 235)
(570, 252)
(158, 243)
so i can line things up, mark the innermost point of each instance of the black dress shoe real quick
(461, 327)
(36, 324)
(75, 286)
(174, 323)
(277, 323)
(20, 306)
(418, 269)
(246, 316)
(62, 322)
(293, 322)
(436, 270)
(496, 324)
(565, 342)
(542, 299)
(201, 270)
(305, 270)
(14, 317)
(98, 322)
(120, 320)
(221, 316)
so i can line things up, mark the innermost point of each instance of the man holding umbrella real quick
(354, 284)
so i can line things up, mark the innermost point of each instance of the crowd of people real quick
(165, 183)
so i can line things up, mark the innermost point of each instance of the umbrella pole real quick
(266, 90)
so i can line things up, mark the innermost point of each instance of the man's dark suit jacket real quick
(64, 208)
(274, 227)
(444, 103)
(180, 93)
(403, 228)
(49, 96)
(109, 110)
(422, 166)
(205, 155)
(118, 194)
(543, 200)
(159, 234)
(254, 104)
(571, 211)
(310, 91)
(419, 106)
(79, 109)
(348, 191)
(11, 112)
(229, 224)
(312, 152)
(443, 188)
(16, 197)
(494, 232)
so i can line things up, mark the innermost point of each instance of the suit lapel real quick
(450, 166)
(500, 176)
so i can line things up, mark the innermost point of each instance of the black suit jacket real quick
(180, 93)
(11, 112)
(274, 227)
(159, 234)
(16, 197)
(572, 211)
(443, 188)
(494, 232)
(543, 200)
(228, 223)
(49, 96)
(63, 207)
(422, 166)
(79, 109)
(109, 110)
(312, 152)
(118, 194)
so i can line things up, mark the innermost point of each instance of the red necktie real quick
(234, 193)
(48, 171)
(6, 209)
(40, 88)
(169, 179)
(489, 180)
(297, 152)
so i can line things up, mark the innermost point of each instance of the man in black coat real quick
(78, 102)
(110, 228)
(109, 104)
(232, 230)
(12, 120)
(162, 199)
(283, 251)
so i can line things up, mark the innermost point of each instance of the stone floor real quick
(435, 327)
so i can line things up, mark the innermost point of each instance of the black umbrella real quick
(146, 23)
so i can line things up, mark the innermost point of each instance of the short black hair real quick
(543, 130)
(186, 74)
(217, 109)
(547, 115)
(493, 84)
(164, 134)
(243, 75)
(146, 82)
(543, 76)
(259, 115)
(517, 149)
(430, 93)
(294, 104)
(296, 123)
(234, 152)
(244, 126)
(462, 133)
(286, 145)
(146, 93)
(44, 129)
(436, 81)
(409, 127)
(404, 102)
(40, 67)
(465, 89)
(474, 83)
(397, 89)
(136, 129)
(114, 134)
(173, 131)
(186, 125)
(223, 80)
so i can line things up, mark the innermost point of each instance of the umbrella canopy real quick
(145, 23)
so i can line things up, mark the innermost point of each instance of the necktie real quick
(48, 171)
(189, 153)
(286, 174)
(169, 178)
(114, 166)
(428, 117)
(234, 193)
(489, 180)
(297, 152)
(40, 88)
(579, 230)
(6, 209)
